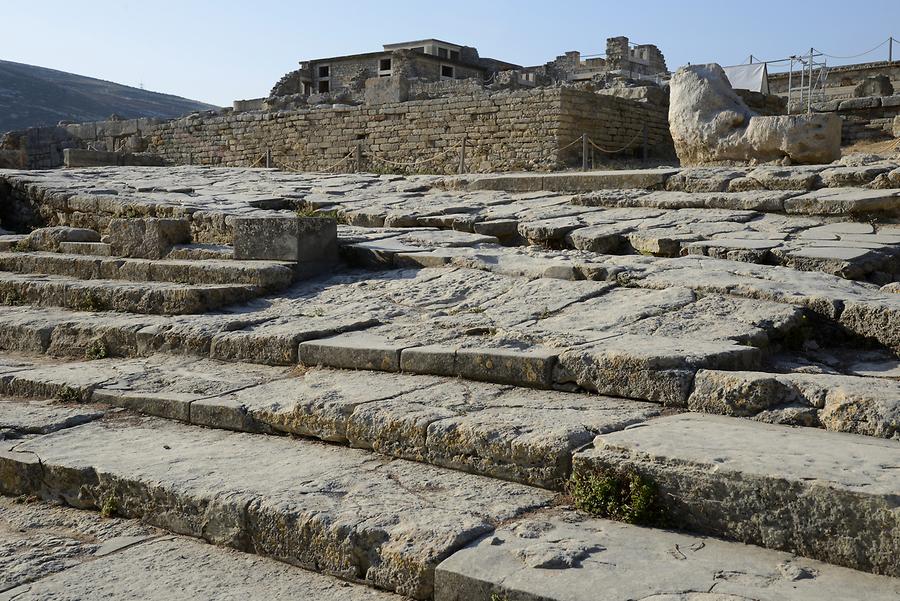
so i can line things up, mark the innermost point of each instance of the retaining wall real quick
(505, 131)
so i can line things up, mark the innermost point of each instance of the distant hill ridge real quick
(32, 96)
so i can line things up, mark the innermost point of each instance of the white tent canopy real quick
(753, 77)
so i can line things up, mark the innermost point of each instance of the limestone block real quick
(385, 90)
(874, 85)
(147, 238)
(828, 496)
(50, 238)
(530, 367)
(710, 123)
(896, 127)
(285, 238)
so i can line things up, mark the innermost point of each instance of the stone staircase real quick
(449, 418)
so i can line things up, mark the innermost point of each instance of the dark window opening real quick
(447, 71)
(325, 71)
(324, 87)
(384, 64)
(420, 49)
(454, 55)
(442, 52)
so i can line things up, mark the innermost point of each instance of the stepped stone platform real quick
(401, 385)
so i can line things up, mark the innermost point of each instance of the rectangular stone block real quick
(826, 495)
(146, 238)
(285, 238)
(531, 367)
(352, 351)
(434, 360)
(563, 556)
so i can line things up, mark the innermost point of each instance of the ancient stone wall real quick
(616, 125)
(508, 130)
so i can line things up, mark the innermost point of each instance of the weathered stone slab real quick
(19, 418)
(520, 367)
(824, 495)
(563, 556)
(355, 350)
(336, 510)
(147, 238)
(844, 201)
(285, 238)
(859, 405)
(652, 368)
(71, 555)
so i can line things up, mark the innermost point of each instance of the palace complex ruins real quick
(426, 325)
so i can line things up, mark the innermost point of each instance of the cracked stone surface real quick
(345, 512)
(562, 555)
(51, 552)
(829, 496)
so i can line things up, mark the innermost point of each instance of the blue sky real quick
(223, 50)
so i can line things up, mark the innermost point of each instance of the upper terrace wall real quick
(504, 131)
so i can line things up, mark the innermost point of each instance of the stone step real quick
(504, 432)
(154, 298)
(96, 249)
(265, 274)
(567, 182)
(560, 555)
(344, 512)
(60, 553)
(829, 496)
(841, 403)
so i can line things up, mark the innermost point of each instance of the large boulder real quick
(710, 124)
(896, 126)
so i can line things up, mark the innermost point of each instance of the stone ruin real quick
(667, 384)
(711, 124)
(670, 383)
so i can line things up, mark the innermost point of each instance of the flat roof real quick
(419, 42)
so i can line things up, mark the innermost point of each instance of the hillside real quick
(32, 96)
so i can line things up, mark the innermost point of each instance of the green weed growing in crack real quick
(69, 395)
(497, 597)
(22, 246)
(625, 496)
(96, 350)
(91, 303)
(110, 507)
(310, 212)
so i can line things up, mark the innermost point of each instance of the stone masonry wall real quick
(613, 123)
(504, 131)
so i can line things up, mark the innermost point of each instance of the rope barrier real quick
(626, 147)
(258, 161)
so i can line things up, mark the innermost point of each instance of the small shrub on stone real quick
(69, 395)
(110, 507)
(96, 350)
(622, 496)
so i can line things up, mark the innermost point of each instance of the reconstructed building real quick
(430, 60)
(433, 60)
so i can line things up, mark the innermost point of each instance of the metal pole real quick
(790, 84)
(358, 157)
(584, 152)
(268, 158)
(891, 49)
(645, 149)
(462, 156)
(809, 95)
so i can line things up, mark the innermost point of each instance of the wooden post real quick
(584, 152)
(462, 156)
(358, 157)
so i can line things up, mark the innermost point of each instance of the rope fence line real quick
(423, 161)
(626, 147)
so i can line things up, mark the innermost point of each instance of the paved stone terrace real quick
(408, 420)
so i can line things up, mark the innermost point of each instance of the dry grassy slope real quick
(32, 96)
